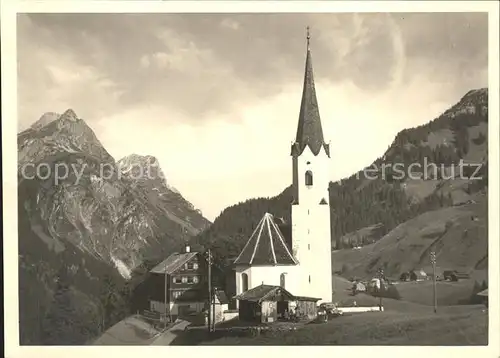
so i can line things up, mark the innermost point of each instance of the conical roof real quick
(309, 130)
(266, 246)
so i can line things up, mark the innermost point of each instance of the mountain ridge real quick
(82, 218)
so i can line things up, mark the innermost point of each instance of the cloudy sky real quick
(215, 97)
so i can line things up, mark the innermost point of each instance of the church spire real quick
(309, 131)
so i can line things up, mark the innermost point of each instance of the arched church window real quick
(309, 178)
(244, 282)
(282, 280)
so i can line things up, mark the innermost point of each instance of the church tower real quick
(311, 232)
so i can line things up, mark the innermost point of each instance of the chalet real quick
(183, 279)
(419, 275)
(268, 303)
(454, 275)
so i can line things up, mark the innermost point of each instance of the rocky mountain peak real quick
(45, 119)
(69, 115)
(474, 101)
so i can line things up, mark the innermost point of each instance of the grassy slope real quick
(461, 325)
(402, 323)
(448, 293)
(460, 241)
(462, 246)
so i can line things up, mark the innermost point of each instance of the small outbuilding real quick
(267, 303)
(306, 307)
(264, 303)
(418, 275)
(358, 287)
(220, 304)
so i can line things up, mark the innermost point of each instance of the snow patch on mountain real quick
(122, 268)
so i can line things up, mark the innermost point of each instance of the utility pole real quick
(380, 276)
(209, 260)
(165, 283)
(433, 261)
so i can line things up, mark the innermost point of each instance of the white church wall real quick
(311, 238)
(321, 254)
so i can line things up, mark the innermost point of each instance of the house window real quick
(177, 294)
(309, 278)
(282, 280)
(189, 266)
(196, 279)
(244, 282)
(309, 178)
(184, 279)
(195, 266)
(192, 279)
(177, 279)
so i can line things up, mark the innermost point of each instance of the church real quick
(302, 266)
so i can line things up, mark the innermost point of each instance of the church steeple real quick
(309, 131)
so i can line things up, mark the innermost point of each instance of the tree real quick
(58, 325)
(404, 276)
(114, 306)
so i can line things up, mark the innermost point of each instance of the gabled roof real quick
(173, 263)
(221, 296)
(307, 299)
(483, 293)
(266, 246)
(309, 130)
(265, 293)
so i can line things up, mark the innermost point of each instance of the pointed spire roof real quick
(266, 246)
(309, 131)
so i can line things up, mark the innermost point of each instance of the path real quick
(169, 335)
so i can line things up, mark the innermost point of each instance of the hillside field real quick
(406, 324)
(458, 235)
(402, 322)
(464, 325)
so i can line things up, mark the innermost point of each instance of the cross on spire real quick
(308, 36)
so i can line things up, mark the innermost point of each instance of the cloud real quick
(216, 96)
(230, 24)
(50, 80)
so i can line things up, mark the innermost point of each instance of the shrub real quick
(392, 292)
